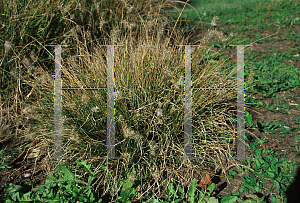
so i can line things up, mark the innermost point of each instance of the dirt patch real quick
(24, 171)
(268, 48)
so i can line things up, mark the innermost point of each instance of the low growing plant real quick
(64, 189)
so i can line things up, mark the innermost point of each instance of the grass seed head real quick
(156, 175)
(95, 109)
(179, 83)
(152, 149)
(131, 177)
(83, 98)
(159, 110)
(126, 155)
(33, 56)
(7, 46)
(97, 7)
(26, 62)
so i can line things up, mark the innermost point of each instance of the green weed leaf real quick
(192, 190)
(212, 200)
(229, 199)
(248, 118)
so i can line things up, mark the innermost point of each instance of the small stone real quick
(213, 24)
(27, 175)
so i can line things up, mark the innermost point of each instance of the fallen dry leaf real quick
(205, 181)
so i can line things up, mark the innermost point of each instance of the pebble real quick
(213, 24)
(27, 175)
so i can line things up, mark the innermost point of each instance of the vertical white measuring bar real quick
(188, 139)
(58, 126)
(240, 103)
(110, 121)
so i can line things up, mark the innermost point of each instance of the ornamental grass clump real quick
(149, 110)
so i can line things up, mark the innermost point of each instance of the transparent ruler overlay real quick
(110, 123)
